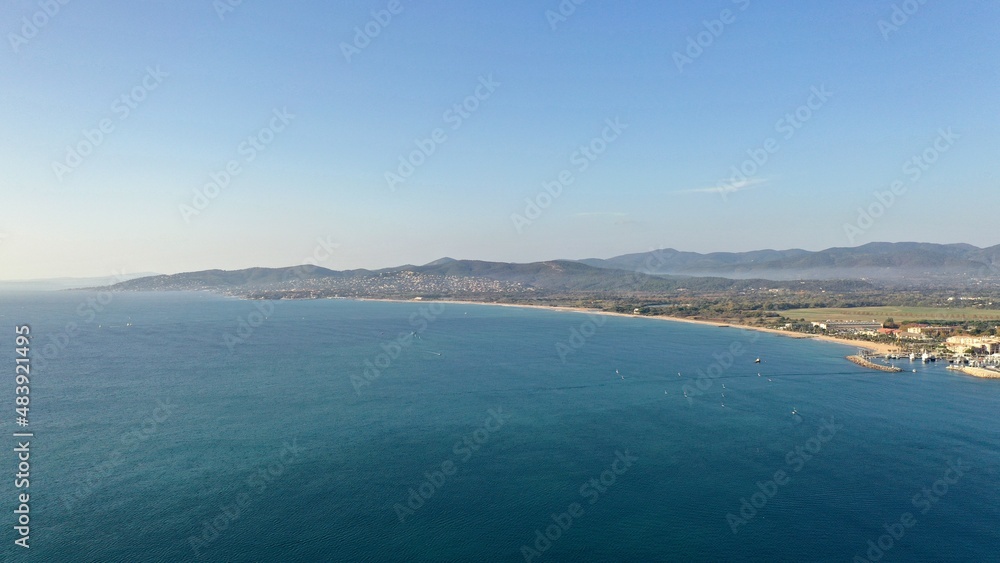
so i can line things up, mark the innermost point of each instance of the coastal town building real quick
(928, 329)
(912, 336)
(849, 326)
(978, 344)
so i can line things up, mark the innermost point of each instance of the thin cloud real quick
(619, 218)
(602, 214)
(727, 187)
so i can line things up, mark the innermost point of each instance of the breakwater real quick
(980, 372)
(872, 365)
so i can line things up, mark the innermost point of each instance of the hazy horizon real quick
(130, 275)
(379, 133)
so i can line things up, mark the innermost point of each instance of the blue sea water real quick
(192, 427)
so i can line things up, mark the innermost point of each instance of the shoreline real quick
(878, 348)
(979, 372)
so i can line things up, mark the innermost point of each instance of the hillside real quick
(454, 277)
(877, 261)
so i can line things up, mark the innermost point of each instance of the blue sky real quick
(197, 85)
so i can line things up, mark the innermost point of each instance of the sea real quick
(195, 427)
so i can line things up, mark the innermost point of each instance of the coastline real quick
(878, 348)
(980, 372)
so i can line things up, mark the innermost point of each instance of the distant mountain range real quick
(876, 261)
(651, 272)
(441, 277)
(54, 284)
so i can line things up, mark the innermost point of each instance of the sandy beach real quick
(874, 347)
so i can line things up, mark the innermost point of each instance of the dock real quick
(872, 365)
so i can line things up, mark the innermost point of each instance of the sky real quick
(169, 136)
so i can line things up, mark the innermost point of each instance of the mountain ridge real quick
(665, 270)
(876, 260)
